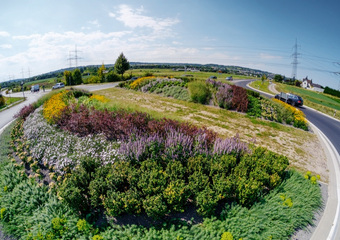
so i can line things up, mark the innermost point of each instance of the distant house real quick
(308, 84)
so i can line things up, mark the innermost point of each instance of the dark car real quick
(289, 98)
(58, 85)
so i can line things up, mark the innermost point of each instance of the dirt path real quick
(272, 88)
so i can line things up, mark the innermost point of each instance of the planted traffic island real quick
(86, 164)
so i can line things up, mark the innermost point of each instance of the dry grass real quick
(302, 148)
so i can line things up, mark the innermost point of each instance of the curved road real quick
(328, 227)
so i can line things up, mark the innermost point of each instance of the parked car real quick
(289, 98)
(229, 78)
(58, 85)
(35, 88)
(213, 77)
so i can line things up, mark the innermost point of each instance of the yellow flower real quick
(100, 98)
(137, 83)
(54, 106)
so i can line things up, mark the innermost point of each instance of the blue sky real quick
(36, 36)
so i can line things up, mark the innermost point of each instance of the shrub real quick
(2, 101)
(94, 79)
(240, 99)
(54, 106)
(140, 82)
(199, 92)
(25, 111)
(254, 107)
(224, 96)
(112, 77)
(75, 189)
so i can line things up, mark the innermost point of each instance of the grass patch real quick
(261, 85)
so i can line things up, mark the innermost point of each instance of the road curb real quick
(4, 127)
(329, 222)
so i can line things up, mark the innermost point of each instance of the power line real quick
(74, 57)
(295, 60)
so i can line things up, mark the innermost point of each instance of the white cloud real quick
(111, 14)
(135, 18)
(6, 46)
(4, 34)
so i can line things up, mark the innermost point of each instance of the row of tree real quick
(332, 91)
(121, 65)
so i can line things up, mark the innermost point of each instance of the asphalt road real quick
(7, 115)
(328, 227)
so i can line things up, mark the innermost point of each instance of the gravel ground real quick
(305, 234)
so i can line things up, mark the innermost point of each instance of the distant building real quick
(308, 84)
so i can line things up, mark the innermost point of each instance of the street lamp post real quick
(22, 88)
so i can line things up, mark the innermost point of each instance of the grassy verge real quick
(11, 101)
(262, 86)
(177, 74)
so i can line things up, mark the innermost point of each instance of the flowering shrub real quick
(61, 150)
(299, 119)
(25, 111)
(54, 106)
(224, 96)
(100, 98)
(140, 82)
(229, 96)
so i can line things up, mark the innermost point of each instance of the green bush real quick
(93, 79)
(254, 107)
(113, 77)
(75, 189)
(199, 92)
(2, 101)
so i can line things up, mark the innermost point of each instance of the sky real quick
(39, 36)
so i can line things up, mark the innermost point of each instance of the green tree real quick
(68, 78)
(76, 76)
(278, 78)
(121, 64)
(101, 74)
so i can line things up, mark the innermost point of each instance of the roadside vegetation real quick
(322, 102)
(8, 101)
(80, 167)
(325, 103)
(221, 94)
